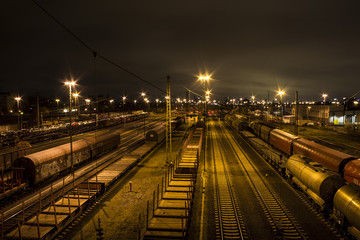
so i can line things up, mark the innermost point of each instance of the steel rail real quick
(284, 224)
(67, 182)
(230, 220)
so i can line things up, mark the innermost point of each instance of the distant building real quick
(6, 102)
(332, 113)
(340, 115)
(312, 112)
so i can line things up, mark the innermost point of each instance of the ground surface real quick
(119, 209)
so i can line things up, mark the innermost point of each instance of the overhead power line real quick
(87, 46)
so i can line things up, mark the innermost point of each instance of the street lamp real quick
(157, 102)
(253, 99)
(324, 95)
(18, 99)
(308, 110)
(76, 95)
(204, 79)
(70, 84)
(281, 93)
(123, 98)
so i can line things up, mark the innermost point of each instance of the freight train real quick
(344, 164)
(39, 166)
(328, 190)
(304, 168)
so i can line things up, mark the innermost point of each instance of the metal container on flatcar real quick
(44, 164)
(282, 140)
(347, 202)
(265, 132)
(328, 157)
(322, 181)
(352, 171)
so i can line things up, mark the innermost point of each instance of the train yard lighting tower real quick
(204, 79)
(308, 111)
(70, 84)
(18, 99)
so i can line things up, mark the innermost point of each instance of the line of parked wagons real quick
(39, 166)
(329, 177)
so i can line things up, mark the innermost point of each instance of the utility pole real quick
(296, 112)
(168, 121)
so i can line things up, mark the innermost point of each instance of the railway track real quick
(27, 207)
(229, 221)
(281, 220)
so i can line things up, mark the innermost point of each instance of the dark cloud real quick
(252, 47)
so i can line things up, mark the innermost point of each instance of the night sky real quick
(250, 47)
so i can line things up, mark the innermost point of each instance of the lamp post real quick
(18, 99)
(143, 95)
(57, 109)
(324, 95)
(281, 93)
(204, 78)
(88, 105)
(77, 109)
(124, 98)
(70, 84)
(308, 111)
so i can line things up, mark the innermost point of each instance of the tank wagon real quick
(318, 182)
(44, 164)
(346, 165)
(324, 183)
(329, 191)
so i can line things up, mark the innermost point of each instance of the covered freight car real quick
(328, 157)
(282, 140)
(352, 171)
(157, 134)
(44, 164)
